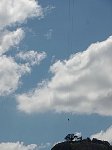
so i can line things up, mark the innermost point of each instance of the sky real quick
(55, 64)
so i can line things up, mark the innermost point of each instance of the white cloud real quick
(17, 146)
(11, 71)
(10, 74)
(9, 39)
(14, 12)
(22, 146)
(32, 57)
(44, 146)
(17, 11)
(81, 84)
(104, 135)
(78, 134)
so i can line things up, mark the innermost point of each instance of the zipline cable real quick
(71, 24)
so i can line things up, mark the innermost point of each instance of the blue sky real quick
(55, 64)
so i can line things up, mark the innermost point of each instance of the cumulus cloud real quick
(81, 84)
(32, 57)
(22, 146)
(17, 146)
(13, 11)
(78, 134)
(104, 135)
(10, 39)
(10, 74)
(11, 71)
(44, 146)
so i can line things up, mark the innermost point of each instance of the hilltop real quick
(85, 144)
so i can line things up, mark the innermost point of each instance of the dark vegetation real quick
(83, 144)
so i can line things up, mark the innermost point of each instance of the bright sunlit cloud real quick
(13, 11)
(104, 135)
(80, 85)
(10, 39)
(32, 57)
(17, 146)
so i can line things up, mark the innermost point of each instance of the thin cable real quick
(68, 47)
(72, 20)
(71, 25)
(70, 29)
(69, 20)
(69, 44)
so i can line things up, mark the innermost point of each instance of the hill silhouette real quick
(85, 144)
